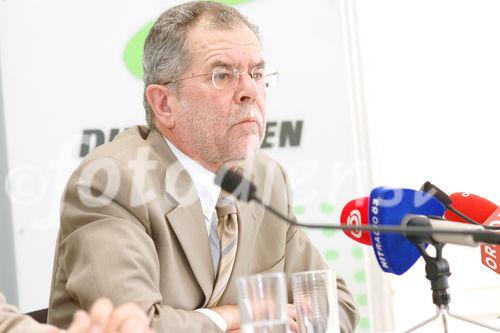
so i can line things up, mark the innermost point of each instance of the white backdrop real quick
(431, 73)
(63, 72)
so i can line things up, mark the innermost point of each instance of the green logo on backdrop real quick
(133, 51)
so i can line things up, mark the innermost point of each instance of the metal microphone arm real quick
(243, 189)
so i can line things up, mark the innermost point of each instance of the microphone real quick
(458, 215)
(234, 183)
(436, 192)
(484, 211)
(474, 206)
(389, 207)
(355, 213)
(400, 260)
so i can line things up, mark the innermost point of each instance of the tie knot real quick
(225, 206)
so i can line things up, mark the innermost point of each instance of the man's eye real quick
(222, 76)
(258, 76)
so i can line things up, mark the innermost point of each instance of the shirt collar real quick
(202, 178)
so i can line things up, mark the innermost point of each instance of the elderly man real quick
(141, 218)
(127, 318)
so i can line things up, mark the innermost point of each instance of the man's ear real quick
(158, 98)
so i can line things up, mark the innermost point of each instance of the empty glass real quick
(263, 303)
(315, 299)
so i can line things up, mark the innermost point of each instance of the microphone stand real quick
(437, 272)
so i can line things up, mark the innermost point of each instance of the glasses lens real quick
(223, 77)
(265, 76)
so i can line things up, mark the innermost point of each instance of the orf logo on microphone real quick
(355, 219)
(490, 254)
(355, 214)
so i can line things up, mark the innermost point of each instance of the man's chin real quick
(243, 152)
(252, 147)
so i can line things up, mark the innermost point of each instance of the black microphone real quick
(234, 183)
(439, 194)
(447, 201)
(244, 190)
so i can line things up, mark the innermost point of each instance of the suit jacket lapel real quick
(186, 218)
(188, 225)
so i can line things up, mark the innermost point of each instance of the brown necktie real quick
(227, 230)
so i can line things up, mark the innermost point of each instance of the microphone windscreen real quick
(482, 211)
(471, 205)
(235, 184)
(388, 206)
(355, 213)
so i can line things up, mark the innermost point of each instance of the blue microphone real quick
(389, 207)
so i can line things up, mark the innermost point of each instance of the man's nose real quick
(246, 90)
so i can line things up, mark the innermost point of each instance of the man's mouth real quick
(249, 121)
(249, 117)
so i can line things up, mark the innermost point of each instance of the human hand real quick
(127, 318)
(230, 314)
(292, 318)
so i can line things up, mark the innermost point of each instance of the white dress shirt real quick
(208, 192)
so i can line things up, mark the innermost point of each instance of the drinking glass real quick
(262, 301)
(315, 299)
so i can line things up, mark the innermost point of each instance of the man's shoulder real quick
(137, 148)
(261, 167)
(264, 159)
(123, 147)
(261, 159)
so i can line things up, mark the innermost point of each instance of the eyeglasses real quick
(223, 77)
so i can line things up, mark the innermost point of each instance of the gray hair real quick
(165, 55)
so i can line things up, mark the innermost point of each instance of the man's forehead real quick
(206, 41)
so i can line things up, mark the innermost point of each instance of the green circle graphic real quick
(362, 299)
(134, 50)
(299, 210)
(331, 255)
(364, 323)
(326, 208)
(360, 276)
(357, 253)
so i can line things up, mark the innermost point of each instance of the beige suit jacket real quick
(145, 239)
(11, 321)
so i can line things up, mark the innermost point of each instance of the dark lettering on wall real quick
(269, 134)
(290, 134)
(87, 139)
(278, 135)
(286, 133)
(114, 132)
(93, 138)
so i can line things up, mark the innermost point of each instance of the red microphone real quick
(355, 212)
(483, 211)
